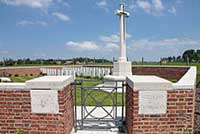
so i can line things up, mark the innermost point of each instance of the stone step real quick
(97, 132)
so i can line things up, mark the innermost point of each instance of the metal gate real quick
(97, 104)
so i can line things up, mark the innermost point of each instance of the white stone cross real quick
(122, 14)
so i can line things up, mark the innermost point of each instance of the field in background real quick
(24, 78)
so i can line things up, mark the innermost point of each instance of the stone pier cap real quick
(148, 82)
(41, 83)
(151, 82)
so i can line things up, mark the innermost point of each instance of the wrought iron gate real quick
(96, 107)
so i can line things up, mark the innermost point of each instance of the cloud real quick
(147, 43)
(29, 3)
(61, 16)
(172, 10)
(158, 6)
(4, 52)
(27, 22)
(103, 4)
(154, 7)
(114, 38)
(153, 49)
(82, 46)
(112, 46)
(145, 5)
(40, 54)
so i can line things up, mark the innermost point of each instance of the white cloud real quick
(111, 46)
(82, 46)
(154, 49)
(150, 44)
(128, 35)
(158, 6)
(103, 4)
(145, 5)
(29, 3)
(154, 7)
(3, 52)
(114, 38)
(61, 16)
(39, 54)
(27, 22)
(172, 10)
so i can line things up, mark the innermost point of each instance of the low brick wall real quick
(15, 113)
(179, 116)
(170, 73)
(197, 113)
(21, 71)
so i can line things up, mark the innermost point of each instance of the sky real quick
(90, 28)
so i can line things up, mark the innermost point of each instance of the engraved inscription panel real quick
(44, 101)
(152, 102)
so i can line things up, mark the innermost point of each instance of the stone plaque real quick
(152, 102)
(44, 101)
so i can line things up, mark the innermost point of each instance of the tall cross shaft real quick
(122, 14)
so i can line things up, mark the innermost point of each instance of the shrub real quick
(43, 74)
(16, 75)
(20, 131)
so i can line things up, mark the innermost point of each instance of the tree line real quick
(28, 61)
(190, 55)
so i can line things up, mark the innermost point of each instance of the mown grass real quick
(22, 78)
(108, 99)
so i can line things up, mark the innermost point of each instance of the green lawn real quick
(108, 99)
(21, 78)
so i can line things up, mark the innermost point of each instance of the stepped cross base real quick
(122, 68)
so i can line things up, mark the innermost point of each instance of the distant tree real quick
(169, 59)
(20, 62)
(198, 55)
(9, 62)
(178, 59)
(189, 55)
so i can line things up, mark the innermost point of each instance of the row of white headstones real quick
(78, 71)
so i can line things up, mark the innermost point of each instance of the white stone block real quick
(148, 82)
(44, 101)
(122, 68)
(49, 82)
(152, 102)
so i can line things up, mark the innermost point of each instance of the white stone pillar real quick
(122, 14)
(122, 67)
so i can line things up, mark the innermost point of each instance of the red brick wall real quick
(197, 113)
(179, 116)
(170, 73)
(15, 113)
(20, 71)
